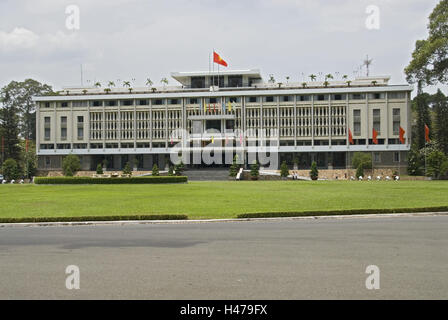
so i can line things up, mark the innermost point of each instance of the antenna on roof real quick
(367, 62)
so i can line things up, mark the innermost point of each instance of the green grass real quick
(216, 199)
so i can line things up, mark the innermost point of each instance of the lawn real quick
(216, 199)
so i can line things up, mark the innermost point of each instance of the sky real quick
(132, 40)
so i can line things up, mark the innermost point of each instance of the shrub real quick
(362, 159)
(89, 180)
(70, 165)
(155, 170)
(314, 173)
(284, 171)
(171, 171)
(359, 172)
(436, 164)
(127, 169)
(95, 218)
(10, 169)
(338, 212)
(235, 167)
(254, 170)
(99, 169)
(179, 168)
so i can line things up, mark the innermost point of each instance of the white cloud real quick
(19, 38)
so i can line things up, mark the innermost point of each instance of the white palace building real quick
(227, 113)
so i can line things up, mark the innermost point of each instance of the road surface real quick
(302, 259)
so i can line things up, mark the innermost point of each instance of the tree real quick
(430, 58)
(423, 116)
(415, 161)
(314, 173)
(155, 170)
(10, 169)
(127, 169)
(254, 170)
(70, 165)
(235, 167)
(9, 127)
(179, 168)
(359, 172)
(149, 82)
(284, 171)
(20, 96)
(99, 169)
(361, 159)
(440, 127)
(29, 159)
(437, 164)
(312, 77)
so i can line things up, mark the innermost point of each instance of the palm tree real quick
(329, 76)
(127, 84)
(97, 84)
(326, 83)
(287, 79)
(271, 78)
(84, 91)
(164, 81)
(313, 77)
(348, 83)
(344, 77)
(304, 84)
(149, 83)
(374, 83)
(111, 84)
(107, 90)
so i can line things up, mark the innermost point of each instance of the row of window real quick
(47, 128)
(376, 121)
(253, 99)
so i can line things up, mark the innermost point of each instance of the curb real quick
(136, 222)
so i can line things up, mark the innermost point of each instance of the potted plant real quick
(254, 170)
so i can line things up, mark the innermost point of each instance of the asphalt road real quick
(306, 259)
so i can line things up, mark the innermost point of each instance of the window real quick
(174, 101)
(339, 97)
(80, 127)
(357, 122)
(286, 98)
(47, 127)
(269, 99)
(64, 104)
(233, 99)
(396, 156)
(377, 120)
(252, 99)
(79, 104)
(127, 102)
(358, 96)
(63, 128)
(143, 102)
(158, 102)
(396, 121)
(321, 97)
(303, 98)
(235, 81)
(193, 101)
(96, 103)
(198, 82)
(376, 157)
(212, 100)
(376, 96)
(397, 95)
(111, 103)
(218, 81)
(47, 104)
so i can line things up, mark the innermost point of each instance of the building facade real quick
(231, 112)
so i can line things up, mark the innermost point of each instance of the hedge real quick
(89, 180)
(338, 212)
(94, 218)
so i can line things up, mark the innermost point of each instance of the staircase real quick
(207, 174)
